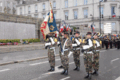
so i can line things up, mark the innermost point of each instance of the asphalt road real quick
(37, 70)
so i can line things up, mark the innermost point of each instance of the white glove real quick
(47, 44)
(58, 43)
(78, 43)
(70, 53)
(74, 45)
(52, 40)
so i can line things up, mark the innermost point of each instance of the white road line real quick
(65, 78)
(118, 78)
(115, 60)
(41, 62)
(4, 70)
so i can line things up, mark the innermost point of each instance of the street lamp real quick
(100, 15)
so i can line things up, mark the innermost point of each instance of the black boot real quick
(87, 76)
(60, 67)
(75, 69)
(95, 72)
(63, 72)
(66, 72)
(90, 77)
(52, 69)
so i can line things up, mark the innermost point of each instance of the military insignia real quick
(52, 27)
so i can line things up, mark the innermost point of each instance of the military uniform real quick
(66, 47)
(118, 43)
(106, 43)
(76, 42)
(60, 39)
(50, 43)
(96, 51)
(88, 56)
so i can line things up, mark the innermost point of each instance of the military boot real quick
(52, 69)
(66, 72)
(63, 72)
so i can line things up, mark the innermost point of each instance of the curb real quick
(20, 61)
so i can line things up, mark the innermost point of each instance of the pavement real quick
(37, 70)
(20, 47)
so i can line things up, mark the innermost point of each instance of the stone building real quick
(78, 13)
(8, 6)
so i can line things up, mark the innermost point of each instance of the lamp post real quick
(100, 15)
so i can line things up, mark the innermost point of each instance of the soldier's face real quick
(76, 35)
(65, 35)
(62, 34)
(95, 37)
(88, 36)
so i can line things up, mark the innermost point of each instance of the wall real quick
(10, 30)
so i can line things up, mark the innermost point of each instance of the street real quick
(37, 70)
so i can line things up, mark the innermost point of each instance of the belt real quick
(54, 50)
(77, 48)
(88, 52)
(65, 49)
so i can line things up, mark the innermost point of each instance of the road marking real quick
(42, 62)
(4, 70)
(114, 60)
(118, 78)
(65, 78)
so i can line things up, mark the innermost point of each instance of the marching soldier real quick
(66, 47)
(87, 49)
(76, 50)
(118, 43)
(61, 36)
(111, 43)
(96, 51)
(106, 42)
(50, 44)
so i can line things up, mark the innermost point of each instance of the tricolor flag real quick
(49, 24)
(92, 27)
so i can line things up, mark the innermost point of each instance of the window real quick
(29, 10)
(102, 26)
(0, 3)
(75, 14)
(8, 4)
(43, 16)
(75, 2)
(20, 11)
(36, 15)
(55, 15)
(66, 3)
(113, 26)
(102, 11)
(66, 15)
(85, 13)
(36, 8)
(113, 10)
(54, 4)
(85, 2)
(43, 6)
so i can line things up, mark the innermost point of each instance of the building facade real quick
(79, 13)
(8, 6)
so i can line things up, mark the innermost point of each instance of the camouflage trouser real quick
(96, 61)
(76, 55)
(65, 60)
(88, 62)
(60, 57)
(51, 57)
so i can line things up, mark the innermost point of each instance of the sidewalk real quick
(17, 57)
(25, 47)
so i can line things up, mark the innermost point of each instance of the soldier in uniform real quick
(118, 42)
(50, 44)
(76, 50)
(66, 50)
(60, 38)
(106, 42)
(111, 43)
(88, 54)
(96, 51)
